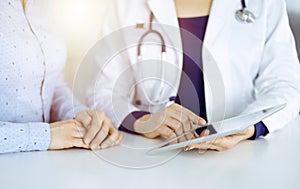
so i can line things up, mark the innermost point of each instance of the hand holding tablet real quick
(219, 129)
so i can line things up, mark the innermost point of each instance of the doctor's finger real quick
(185, 123)
(193, 117)
(217, 144)
(198, 145)
(228, 142)
(202, 146)
(176, 126)
(180, 117)
(187, 126)
(189, 133)
(167, 132)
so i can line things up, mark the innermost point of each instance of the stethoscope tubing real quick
(243, 15)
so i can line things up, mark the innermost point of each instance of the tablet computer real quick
(218, 129)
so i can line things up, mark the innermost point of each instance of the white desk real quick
(272, 163)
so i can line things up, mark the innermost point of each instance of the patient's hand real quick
(100, 133)
(67, 134)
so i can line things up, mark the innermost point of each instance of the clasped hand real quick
(89, 129)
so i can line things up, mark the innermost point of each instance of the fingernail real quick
(206, 132)
(187, 148)
(202, 122)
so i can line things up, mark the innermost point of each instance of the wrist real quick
(139, 124)
(127, 124)
(250, 132)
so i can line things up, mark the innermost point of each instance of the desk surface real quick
(264, 163)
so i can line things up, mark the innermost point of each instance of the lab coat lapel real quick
(164, 11)
(221, 13)
(221, 16)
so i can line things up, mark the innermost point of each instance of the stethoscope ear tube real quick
(157, 100)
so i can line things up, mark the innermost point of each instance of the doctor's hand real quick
(223, 143)
(171, 122)
(100, 133)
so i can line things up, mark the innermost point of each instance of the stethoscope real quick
(157, 100)
(243, 15)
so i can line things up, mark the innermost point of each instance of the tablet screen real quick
(210, 127)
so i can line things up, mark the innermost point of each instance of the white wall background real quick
(80, 21)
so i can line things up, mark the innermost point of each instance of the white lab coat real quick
(246, 66)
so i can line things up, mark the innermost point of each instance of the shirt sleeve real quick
(260, 130)
(127, 124)
(23, 137)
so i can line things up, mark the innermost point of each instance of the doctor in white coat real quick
(247, 66)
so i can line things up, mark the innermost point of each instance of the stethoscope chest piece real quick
(245, 16)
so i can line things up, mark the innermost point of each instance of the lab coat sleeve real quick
(110, 91)
(278, 78)
(22, 137)
(64, 104)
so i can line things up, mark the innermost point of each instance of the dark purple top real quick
(191, 89)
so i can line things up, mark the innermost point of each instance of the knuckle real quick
(184, 119)
(176, 126)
